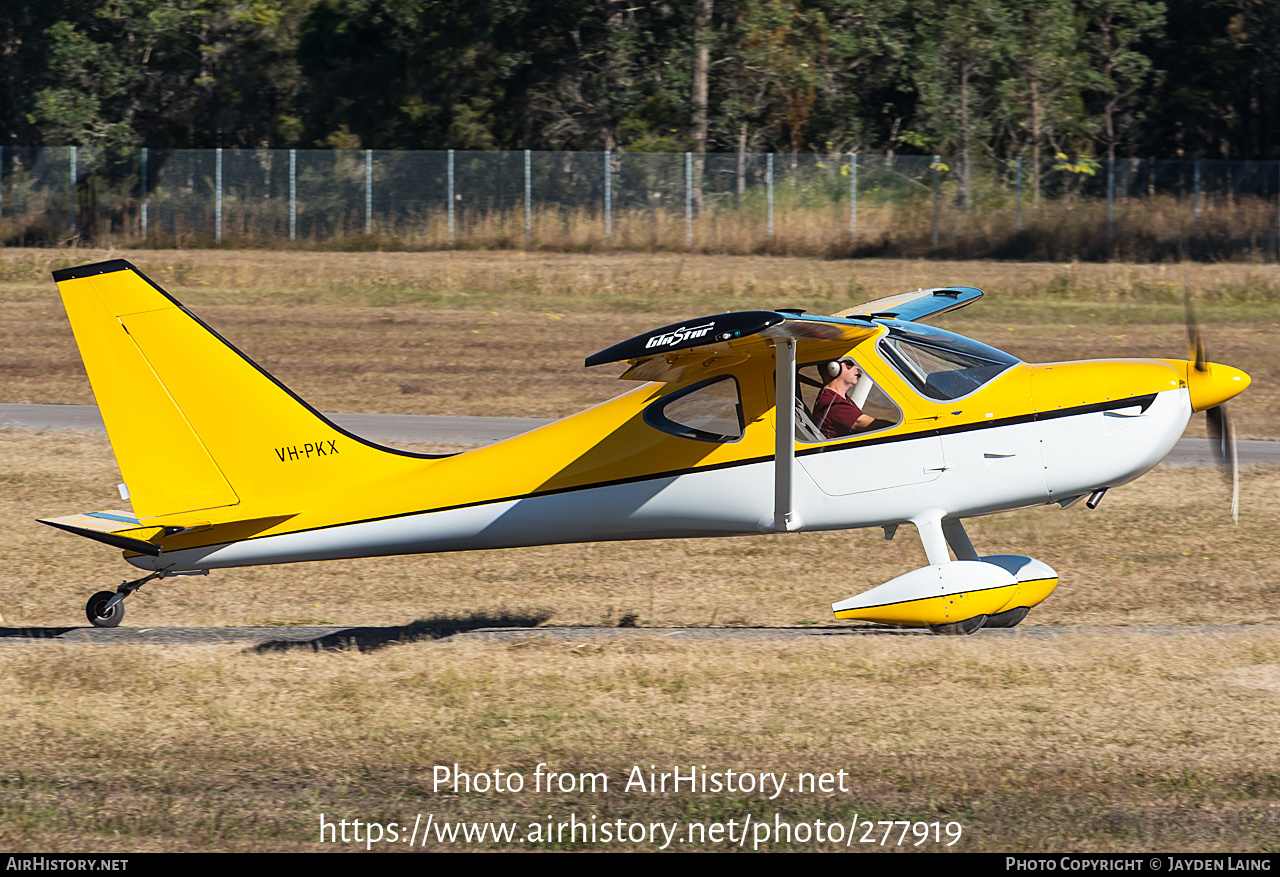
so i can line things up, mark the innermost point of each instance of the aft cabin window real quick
(940, 364)
(866, 394)
(710, 411)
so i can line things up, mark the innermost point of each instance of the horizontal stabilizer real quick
(123, 530)
(116, 528)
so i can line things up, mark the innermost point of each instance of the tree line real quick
(967, 78)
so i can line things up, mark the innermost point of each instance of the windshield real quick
(941, 364)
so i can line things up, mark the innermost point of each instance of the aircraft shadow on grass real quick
(368, 639)
(35, 632)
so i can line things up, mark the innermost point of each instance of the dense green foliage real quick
(1033, 78)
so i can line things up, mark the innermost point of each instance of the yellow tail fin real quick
(196, 426)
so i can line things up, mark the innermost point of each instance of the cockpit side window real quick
(709, 411)
(866, 394)
(940, 364)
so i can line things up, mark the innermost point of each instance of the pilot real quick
(833, 412)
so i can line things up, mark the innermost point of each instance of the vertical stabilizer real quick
(196, 425)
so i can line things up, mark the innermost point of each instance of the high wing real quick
(916, 305)
(668, 353)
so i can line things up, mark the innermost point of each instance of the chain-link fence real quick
(730, 203)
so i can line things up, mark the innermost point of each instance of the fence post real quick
(937, 163)
(1111, 200)
(768, 179)
(1017, 226)
(368, 191)
(688, 199)
(1278, 215)
(1, 181)
(608, 197)
(528, 194)
(450, 196)
(1196, 177)
(853, 198)
(293, 194)
(217, 198)
(73, 192)
(144, 192)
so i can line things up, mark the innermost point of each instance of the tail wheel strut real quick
(106, 608)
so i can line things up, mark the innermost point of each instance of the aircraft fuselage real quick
(1076, 435)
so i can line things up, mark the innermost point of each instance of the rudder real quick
(194, 423)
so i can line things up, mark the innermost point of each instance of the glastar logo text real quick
(666, 339)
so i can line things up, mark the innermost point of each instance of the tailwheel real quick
(106, 608)
(960, 628)
(100, 616)
(1008, 618)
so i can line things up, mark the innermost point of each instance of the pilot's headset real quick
(832, 369)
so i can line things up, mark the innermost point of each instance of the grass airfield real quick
(1096, 740)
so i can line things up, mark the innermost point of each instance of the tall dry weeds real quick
(1154, 228)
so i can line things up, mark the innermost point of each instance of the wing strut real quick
(785, 518)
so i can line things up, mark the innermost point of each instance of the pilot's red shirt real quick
(834, 414)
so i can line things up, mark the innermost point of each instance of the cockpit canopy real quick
(940, 364)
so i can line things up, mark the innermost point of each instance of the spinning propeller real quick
(1222, 433)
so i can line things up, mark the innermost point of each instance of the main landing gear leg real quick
(106, 608)
(959, 542)
(938, 535)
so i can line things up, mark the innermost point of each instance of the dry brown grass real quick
(603, 280)
(437, 333)
(1090, 742)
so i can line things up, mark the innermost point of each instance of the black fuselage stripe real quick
(1144, 401)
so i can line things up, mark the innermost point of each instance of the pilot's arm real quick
(836, 415)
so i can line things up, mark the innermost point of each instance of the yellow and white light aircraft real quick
(225, 467)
